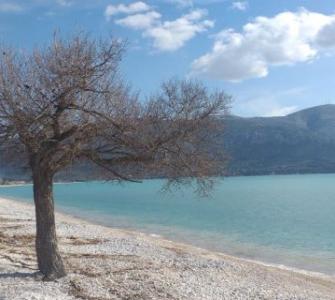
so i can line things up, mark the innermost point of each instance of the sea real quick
(286, 220)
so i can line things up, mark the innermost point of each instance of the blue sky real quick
(273, 57)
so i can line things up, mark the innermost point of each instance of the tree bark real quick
(49, 260)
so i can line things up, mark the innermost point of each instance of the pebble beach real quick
(105, 263)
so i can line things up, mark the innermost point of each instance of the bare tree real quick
(66, 102)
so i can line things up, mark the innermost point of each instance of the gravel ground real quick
(105, 263)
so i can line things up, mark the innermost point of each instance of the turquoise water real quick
(288, 220)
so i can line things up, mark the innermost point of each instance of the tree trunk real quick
(49, 260)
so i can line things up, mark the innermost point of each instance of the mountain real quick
(302, 142)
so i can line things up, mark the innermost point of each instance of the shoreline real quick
(87, 246)
(157, 236)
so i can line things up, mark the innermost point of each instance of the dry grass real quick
(81, 242)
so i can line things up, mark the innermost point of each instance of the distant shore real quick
(107, 263)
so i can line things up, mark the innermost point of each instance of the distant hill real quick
(302, 142)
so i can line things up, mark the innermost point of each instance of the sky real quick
(273, 57)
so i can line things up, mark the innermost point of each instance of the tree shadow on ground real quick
(32, 275)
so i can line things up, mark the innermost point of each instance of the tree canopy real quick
(68, 102)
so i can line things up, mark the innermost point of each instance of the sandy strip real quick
(106, 263)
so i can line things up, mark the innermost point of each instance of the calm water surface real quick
(288, 220)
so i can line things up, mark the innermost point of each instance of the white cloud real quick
(64, 2)
(285, 39)
(168, 35)
(10, 7)
(326, 36)
(172, 35)
(268, 103)
(264, 107)
(139, 21)
(240, 5)
(281, 111)
(135, 7)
